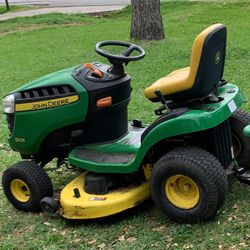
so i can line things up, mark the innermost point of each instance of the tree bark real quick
(146, 23)
(7, 5)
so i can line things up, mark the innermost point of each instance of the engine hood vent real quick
(44, 93)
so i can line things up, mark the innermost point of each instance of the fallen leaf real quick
(17, 233)
(29, 228)
(187, 246)
(101, 246)
(131, 239)
(46, 223)
(243, 244)
(156, 244)
(76, 240)
(63, 233)
(169, 239)
(235, 206)
(92, 242)
(233, 247)
(122, 238)
(159, 228)
(125, 229)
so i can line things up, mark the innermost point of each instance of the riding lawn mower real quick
(80, 115)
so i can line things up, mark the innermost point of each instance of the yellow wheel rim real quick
(20, 190)
(182, 191)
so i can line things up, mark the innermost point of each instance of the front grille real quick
(10, 121)
(45, 92)
(223, 143)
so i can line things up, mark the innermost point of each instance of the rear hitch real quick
(243, 176)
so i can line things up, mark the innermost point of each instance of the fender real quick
(205, 117)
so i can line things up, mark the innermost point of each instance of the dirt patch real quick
(37, 27)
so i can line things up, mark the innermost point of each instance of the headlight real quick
(9, 104)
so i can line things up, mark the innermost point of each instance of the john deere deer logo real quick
(217, 57)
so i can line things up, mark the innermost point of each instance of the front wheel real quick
(189, 184)
(25, 184)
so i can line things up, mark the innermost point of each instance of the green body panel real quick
(246, 131)
(54, 78)
(119, 146)
(200, 118)
(31, 127)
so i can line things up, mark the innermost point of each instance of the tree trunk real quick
(7, 5)
(146, 21)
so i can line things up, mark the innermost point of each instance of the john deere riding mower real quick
(79, 115)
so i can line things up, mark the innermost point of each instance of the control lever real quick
(164, 103)
(96, 71)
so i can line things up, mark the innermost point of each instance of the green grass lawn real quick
(32, 47)
(15, 8)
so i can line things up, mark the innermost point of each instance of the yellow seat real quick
(205, 71)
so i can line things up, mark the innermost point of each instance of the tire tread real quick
(206, 165)
(38, 179)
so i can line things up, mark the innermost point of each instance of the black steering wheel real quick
(125, 56)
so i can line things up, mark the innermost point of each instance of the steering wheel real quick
(125, 56)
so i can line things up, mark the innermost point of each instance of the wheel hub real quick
(182, 191)
(20, 190)
(186, 187)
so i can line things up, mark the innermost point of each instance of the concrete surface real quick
(66, 10)
(66, 3)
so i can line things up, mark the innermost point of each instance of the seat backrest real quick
(207, 60)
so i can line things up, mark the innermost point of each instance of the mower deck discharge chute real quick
(80, 114)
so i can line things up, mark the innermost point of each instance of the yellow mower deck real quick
(89, 206)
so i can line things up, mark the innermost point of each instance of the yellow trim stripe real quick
(51, 103)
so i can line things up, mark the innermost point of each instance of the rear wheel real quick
(189, 184)
(25, 184)
(241, 143)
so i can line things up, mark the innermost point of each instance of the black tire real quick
(204, 173)
(241, 143)
(25, 184)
